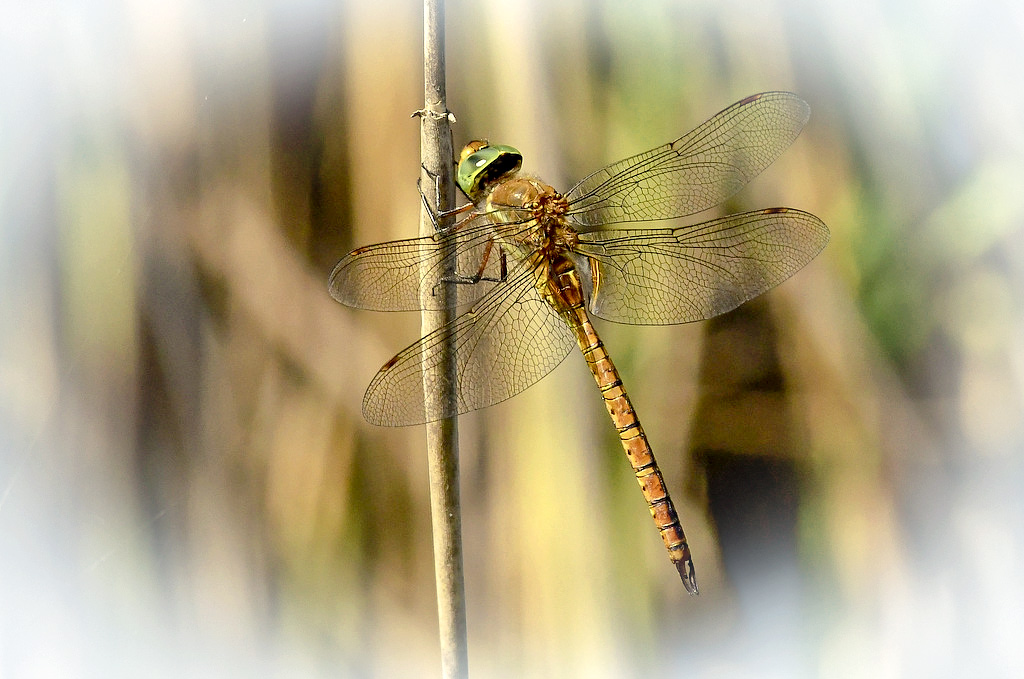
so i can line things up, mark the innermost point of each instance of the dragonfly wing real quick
(666, 276)
(695, 172)
(504, 344)
(393, 276)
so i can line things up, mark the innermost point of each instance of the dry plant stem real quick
(437, 184)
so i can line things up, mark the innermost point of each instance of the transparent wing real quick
(665, 276)
(695, 172)
(391, 276)
(504, 344)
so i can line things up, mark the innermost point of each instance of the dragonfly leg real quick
(448, 213)
(437, 215)
(456, 277)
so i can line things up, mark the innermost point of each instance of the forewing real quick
(666, 276)
(393, 276)
(695, 172)
(504, 344)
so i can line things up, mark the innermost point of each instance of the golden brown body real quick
(549, 239)
(566, 295)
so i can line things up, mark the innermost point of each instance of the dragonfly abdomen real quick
(569, 297)
(640, 455)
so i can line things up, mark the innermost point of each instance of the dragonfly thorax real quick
(538, 207)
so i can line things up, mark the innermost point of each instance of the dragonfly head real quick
(481, 164)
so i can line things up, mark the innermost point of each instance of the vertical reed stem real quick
(442, 436)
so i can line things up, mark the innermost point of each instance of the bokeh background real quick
(187, 488)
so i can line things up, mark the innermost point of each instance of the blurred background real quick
(187, 487)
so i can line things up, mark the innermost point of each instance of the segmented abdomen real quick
(567, 299)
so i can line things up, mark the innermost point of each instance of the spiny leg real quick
(456, 277)
(437, 215)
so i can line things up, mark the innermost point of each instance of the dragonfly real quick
(531, 266)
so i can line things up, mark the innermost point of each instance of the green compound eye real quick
(481, 164)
